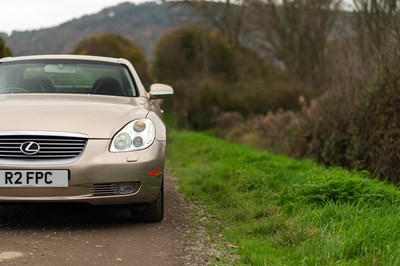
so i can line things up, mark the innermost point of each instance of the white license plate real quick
(34, 178)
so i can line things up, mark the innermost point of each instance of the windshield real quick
(66, 76)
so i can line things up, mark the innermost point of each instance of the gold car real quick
(81, 129)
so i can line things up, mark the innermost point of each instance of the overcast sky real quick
(36, 14)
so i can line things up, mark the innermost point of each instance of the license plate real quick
(34, 178)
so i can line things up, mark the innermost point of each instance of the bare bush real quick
(273, 131)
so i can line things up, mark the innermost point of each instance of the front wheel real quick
(152, 212)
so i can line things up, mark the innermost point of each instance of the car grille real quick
(110, 189)
(51, 147)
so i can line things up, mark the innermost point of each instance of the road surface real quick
(66, 235)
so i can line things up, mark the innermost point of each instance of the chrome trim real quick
(39, 162)
(44, 133)
(112, 189)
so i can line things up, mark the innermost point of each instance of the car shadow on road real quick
(62, 217)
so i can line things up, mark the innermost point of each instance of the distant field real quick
(279, 211)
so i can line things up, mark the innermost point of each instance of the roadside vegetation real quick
(320, 83)
(272, 210)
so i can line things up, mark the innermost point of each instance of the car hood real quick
(94, 115)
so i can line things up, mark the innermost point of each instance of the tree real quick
(4, 50)
(195, 62)
(193, 52)
(228, 16)
(113, 45)
(378, 28)
(296, 32)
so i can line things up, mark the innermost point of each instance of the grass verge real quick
(279, 211)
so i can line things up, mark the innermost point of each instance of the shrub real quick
(4, 50)
(376, 130)
(274, 131)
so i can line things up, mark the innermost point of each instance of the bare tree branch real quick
(378, 24)
(296, 31)
(227, 17)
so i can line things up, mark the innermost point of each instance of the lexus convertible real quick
(81, 129)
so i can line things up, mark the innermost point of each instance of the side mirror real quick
(160, 91)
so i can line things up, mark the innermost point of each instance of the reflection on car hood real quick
(94, 115)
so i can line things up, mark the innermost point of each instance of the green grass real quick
(280, 211)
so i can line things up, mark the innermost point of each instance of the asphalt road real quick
(67, 235)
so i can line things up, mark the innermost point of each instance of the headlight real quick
(122, 141)
(137, 135)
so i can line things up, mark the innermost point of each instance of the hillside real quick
(144, 24)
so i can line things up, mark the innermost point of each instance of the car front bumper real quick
(96, 167)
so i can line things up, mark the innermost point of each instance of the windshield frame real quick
(128, 80)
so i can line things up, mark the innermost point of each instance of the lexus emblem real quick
(29, 148)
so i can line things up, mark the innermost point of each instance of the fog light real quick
(125, 188)
(137, 142)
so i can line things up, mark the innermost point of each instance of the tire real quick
(152, 212)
